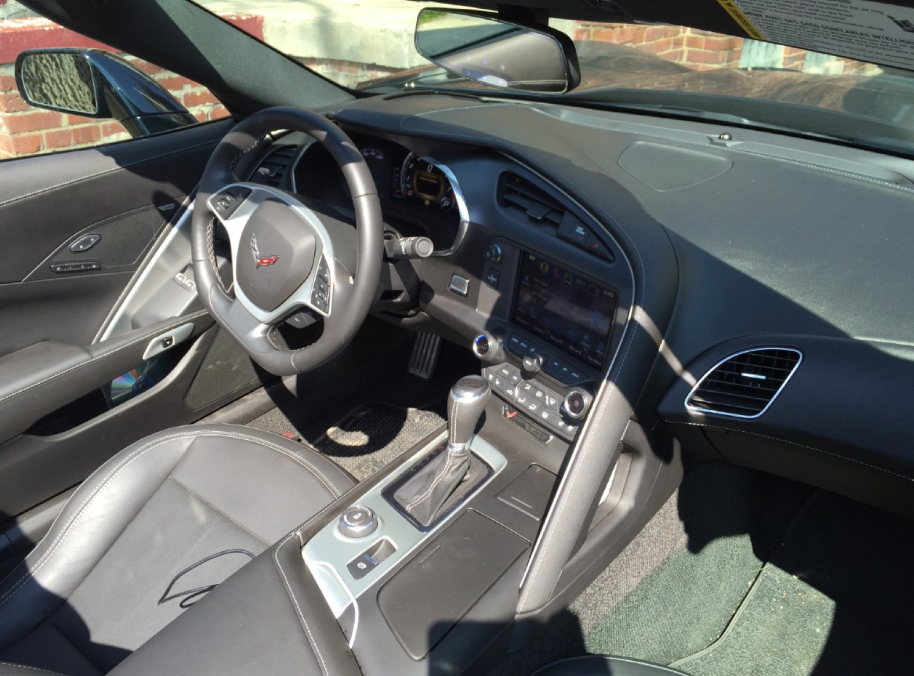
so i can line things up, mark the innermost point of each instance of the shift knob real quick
(466, 403)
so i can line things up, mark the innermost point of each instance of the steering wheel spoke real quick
(283, 257)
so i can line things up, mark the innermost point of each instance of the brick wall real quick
(701, 50)
(26, 131)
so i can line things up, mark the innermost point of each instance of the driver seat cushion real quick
(148, 534)
(600, 665)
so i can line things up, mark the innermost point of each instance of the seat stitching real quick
(184, 320)
(291, 595)
(217, 510)
(293, 456)
(30, 573)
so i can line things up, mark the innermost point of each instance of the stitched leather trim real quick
(25, 666)
(145, 338)
(46, 556)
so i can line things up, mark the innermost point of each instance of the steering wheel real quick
(283, 256)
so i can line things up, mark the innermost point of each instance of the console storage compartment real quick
(429, 595)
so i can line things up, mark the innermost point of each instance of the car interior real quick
(422, 378)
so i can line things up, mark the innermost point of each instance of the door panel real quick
(78, 384)
(46, 200)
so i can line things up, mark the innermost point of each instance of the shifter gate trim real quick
(330, 549)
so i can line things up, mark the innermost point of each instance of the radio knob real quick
(533, 362)
(493, 253)
(577, 403)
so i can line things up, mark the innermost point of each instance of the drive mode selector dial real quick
(357, 522)
(577, 403)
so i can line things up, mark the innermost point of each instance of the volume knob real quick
(577, 403)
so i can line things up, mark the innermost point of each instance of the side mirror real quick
(98, 84)
(485, 48)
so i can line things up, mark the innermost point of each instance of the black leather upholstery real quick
(599, 665)
(147, 534)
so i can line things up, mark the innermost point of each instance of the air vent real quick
(518, 193)
(274, 167)
(745, 384)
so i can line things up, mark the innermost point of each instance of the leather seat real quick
(600, 665)
(148, 534)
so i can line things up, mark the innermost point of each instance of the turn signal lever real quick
(453, 473)
(408, 247)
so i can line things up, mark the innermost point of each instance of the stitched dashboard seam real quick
(792, 443)
(599, 414)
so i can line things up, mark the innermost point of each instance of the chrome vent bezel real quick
(708, 411)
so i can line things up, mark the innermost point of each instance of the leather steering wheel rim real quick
(352, 295)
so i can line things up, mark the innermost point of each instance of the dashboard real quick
(645, 253)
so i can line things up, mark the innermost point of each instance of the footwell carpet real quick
(366, 438)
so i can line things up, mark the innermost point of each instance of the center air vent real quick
(274, 167)
(745, 384)
(518, 193)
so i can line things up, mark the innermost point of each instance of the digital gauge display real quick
(423, 182)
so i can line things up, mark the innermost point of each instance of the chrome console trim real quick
(329, 552)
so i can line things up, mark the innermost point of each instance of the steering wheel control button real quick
(577, 403)
(302, 320)
(227, 202)
(323, 272)
(85, 243)
(493, 254)
(357, 522)
(459, 285)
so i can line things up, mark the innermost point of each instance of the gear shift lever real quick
(466, 402)
(425, 494)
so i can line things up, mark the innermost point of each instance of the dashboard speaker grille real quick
(274, 167)
(745, 384)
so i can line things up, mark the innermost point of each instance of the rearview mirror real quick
(484, 48)
(95, 83)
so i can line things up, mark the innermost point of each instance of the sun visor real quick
(877, 32)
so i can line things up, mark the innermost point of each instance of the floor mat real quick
(366, 438)
(836, 598)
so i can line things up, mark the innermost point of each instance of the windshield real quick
(662, 68)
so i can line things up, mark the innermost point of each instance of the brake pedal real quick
(424, 359)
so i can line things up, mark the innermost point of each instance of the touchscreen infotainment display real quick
(564, 308)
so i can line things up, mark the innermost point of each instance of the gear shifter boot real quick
(452, 473)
